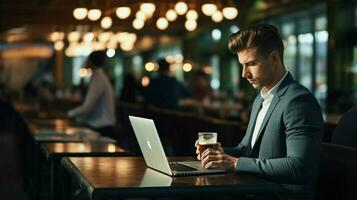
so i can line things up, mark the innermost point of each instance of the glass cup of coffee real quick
(207, 140)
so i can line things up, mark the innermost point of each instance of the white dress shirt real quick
(267, 98)
(98, 106)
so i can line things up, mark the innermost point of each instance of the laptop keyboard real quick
(174, 166)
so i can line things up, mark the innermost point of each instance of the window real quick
(305, 36)
(289, 40)
(305, 59)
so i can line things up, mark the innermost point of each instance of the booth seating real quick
(15, 154)
(338, 172)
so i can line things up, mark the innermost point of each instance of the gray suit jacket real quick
(287, 148)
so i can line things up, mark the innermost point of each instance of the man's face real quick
(256, 68)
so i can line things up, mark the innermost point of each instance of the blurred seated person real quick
(30, 91)
(202, 90)
(165, 91)
(346, 130)
(130, 88)
(45, 93)
(98, 105)
(72, 94)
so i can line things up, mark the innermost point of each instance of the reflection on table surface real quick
(61, 131)
(128, 172)
(85, 147)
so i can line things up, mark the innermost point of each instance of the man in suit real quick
(284, 134)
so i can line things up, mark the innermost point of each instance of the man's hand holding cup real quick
(207, 140)
(211, 153)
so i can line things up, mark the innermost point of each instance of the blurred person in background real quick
(129, 92)
(202, 90)
(98, 106)
(165, 91)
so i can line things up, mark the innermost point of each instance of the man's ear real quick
(275, 56)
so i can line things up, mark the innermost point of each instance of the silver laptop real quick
(154, 155)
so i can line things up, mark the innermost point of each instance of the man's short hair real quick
(97, 58)
(164, 66)
(264, 37)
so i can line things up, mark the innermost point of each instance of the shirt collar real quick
(272, 90)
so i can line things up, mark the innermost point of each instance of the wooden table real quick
(60, 132)
(58, 123)
(54, 152)
(127, 177)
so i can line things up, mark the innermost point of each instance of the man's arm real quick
(303, 121)
(238, 150)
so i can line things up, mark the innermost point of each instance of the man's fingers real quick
(214, 164)
(208, 158)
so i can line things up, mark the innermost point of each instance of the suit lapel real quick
(271, 108)
(255, 110)
(280, 91)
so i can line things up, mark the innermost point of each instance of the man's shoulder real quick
(298, 94)
(296, 89)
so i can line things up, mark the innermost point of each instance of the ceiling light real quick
(94, 14)
(121, 36)
(80, 13)
(181, 8)
(98, 46)
(123, 12)
(138, 24)
(234, 28)
(140, 15)
(187, 67)
(162, 23)
(178, 58)
(171, 15)
(217, 16)
(230, 12)
(127, 46)
(132, 37)
(55, 36)
(209, 8)
(170, 59)
(88, 37)
(59, 45)
(145, 81)
(110, 53)
(104, 36)
(216, 34)
(148, 8)
(192, 15)
(73, 36)
(190, 25)
(149, 66)
(106, 22)
(112, 44)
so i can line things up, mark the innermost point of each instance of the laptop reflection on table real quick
(154, 155)
(153, 178)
